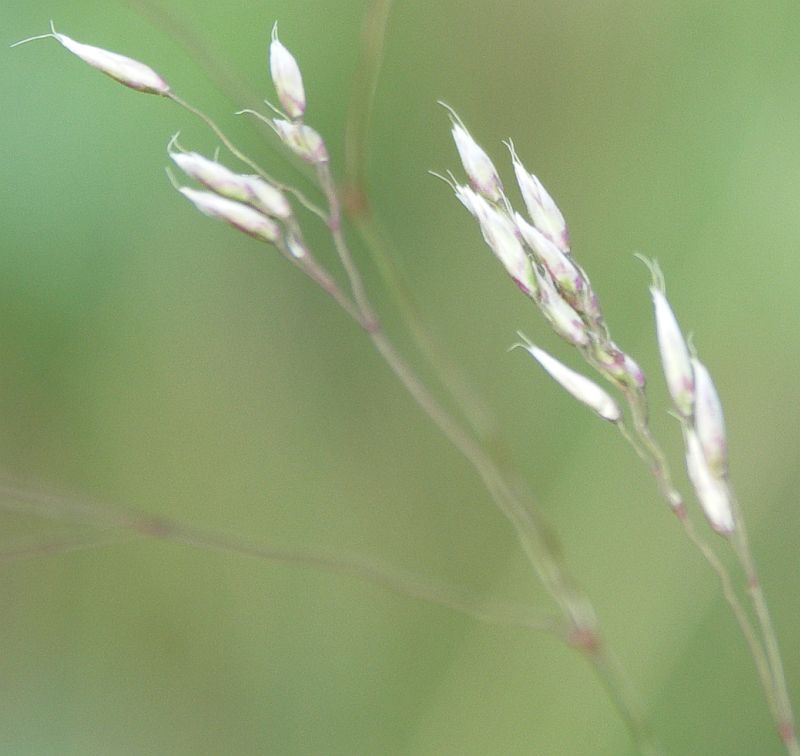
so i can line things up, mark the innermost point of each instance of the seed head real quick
(579, 386)
(542, 210)
(302, 140)
(125, 70)
(708, 421)
(234, 213)
(482, 175)
(712, 491)
(286, 77)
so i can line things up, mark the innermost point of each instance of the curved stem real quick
(537, 543)
(138, 524)
(766, 657)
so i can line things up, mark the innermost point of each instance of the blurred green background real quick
(155, 359)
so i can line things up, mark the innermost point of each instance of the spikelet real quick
(286, 77)
(579, 386)
(125, 70)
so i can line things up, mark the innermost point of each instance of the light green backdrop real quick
(152, 358)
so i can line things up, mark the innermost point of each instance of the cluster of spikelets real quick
(246, 202)
(536, 253)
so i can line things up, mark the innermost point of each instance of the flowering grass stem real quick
(113, 526)
(537, 543)
(766, 657)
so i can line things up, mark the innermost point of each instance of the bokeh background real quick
(154, 359)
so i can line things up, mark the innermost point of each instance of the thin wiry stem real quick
(745, 625)
(118, 524)
(359, 115)
(537, 543)
(784, 715)
(355, 199)
(766, 656)
(624, 698)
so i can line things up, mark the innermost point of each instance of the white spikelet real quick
(541, 207)
(482, 175)
(712, 491)
(672, 346)
(709, 422)
(125, 70)
(286, 77)
(243, 188)
(565, 274)
(579, 386)
(501, 236)
(302, 140)
(236, 214)
(564, 319)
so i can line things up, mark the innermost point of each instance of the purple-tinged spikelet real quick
(541, 207)
(483, 176)
(243, 188)
(566, 322)
(302, 140)
(235, 214)
(569, 280)
(500, 235)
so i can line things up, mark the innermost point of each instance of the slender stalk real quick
(766, 657)
(744, 622)
(607, 667)
(784, 716)
(359, 116)
(537, 544)
(116, 524)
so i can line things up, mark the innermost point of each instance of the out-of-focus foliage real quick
(153, 358)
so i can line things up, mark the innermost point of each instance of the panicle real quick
(302, 140)
(576, 384)
(482, 175)
(712, 490)
(566, 322)
(674, 352)
(125, 70)
(236, 214)
(709, 422)
(286, 77)
(542, 210)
